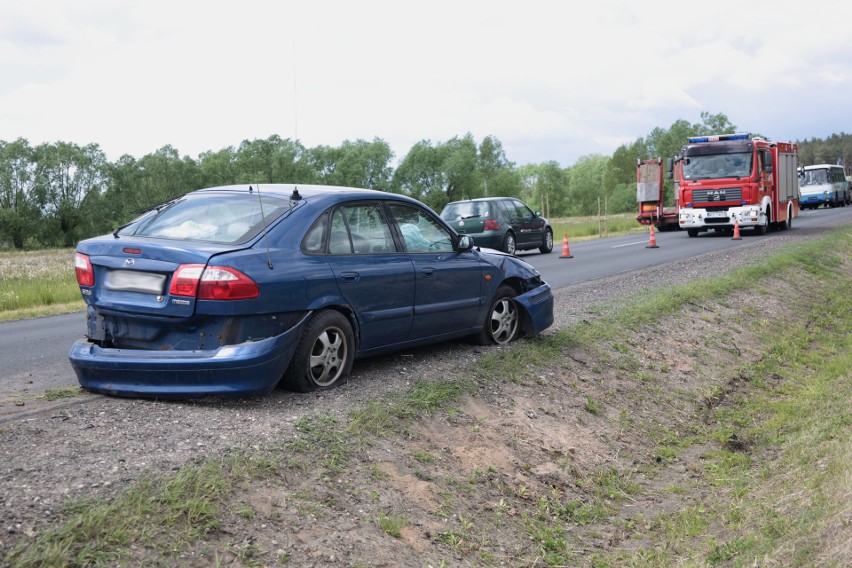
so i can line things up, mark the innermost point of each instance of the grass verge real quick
(754, 466)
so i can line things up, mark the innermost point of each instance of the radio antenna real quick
(295, 100)
(265, 232)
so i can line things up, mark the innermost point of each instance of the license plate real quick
(133, 281)
(717, 214)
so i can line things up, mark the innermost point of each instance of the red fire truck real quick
(650, 195)
(733, 179)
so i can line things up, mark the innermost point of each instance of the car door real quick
(376, 280)
(448, 285)
(529, 227)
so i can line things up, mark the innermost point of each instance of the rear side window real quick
(508, 210)
(359, 228)
(523, 211)
(214, 218)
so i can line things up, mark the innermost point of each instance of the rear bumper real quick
(246, 369)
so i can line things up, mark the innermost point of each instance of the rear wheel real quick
(509, 244)
(547, 246)
(324, 354)
(502, 321)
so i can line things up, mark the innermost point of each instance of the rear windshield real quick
(214, 218)
(465, 210)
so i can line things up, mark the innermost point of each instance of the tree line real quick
(55, 194)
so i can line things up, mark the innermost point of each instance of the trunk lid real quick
(133, 275)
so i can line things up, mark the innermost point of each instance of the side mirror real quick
(465, 243)
(767, 162)
(669, 168)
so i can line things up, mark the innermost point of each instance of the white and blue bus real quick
(823, 184)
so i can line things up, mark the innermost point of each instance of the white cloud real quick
(551, 80)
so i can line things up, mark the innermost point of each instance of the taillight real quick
(491, 225)
(83, 268)
(185, 280)
(212, 283)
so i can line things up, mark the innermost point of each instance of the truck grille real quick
(713, 195)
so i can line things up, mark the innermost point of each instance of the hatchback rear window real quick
(220, 218)
(465, 210)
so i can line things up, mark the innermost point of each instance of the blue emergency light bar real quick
(718, 138)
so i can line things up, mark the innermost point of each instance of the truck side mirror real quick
(767, 162)
(669, 168)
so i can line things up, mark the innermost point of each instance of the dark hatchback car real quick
(229, 290)
(501, 223)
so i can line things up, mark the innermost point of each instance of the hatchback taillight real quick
(212, 283)
(491, 225)
(83, 268)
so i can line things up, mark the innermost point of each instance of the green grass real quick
(38, 283)
(392, 524)
(58, 394)
(585, 228)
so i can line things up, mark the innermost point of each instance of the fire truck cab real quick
(735, 179)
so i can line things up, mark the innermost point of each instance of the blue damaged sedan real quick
(231, 291)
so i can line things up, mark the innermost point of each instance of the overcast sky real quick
(552, 80)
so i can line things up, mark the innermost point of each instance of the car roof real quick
(288, 189)
(480, 199)
(319, 194)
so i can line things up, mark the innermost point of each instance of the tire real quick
(509, 244)
(692, 232)
(502, 320)
(324, 354)
(762, 229)
(789, 223)
(548, 242)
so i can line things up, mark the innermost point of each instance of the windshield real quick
(215, 218)
(814, 177)
(714, 166)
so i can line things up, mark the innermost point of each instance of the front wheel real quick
(547, 246)
(502, 321)
(324, 354)
(763, 228)
(692, 232)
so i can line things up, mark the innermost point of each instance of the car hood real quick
(510, 265)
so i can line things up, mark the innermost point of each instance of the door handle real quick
(427, 272)
(350, 276)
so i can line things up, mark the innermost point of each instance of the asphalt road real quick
(34, 352)
(606, 257)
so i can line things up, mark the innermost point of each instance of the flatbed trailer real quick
(650, 194)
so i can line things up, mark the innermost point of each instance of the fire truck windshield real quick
(714, 166)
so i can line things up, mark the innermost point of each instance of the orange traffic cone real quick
(652, 242)
(737, 236)
(566, 253)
